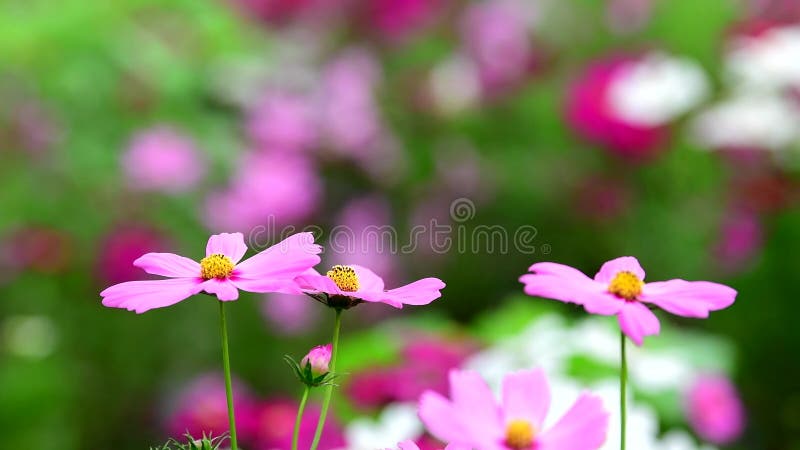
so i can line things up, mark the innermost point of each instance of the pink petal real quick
(583, 427)
(168, 265)
(441, 419)
(141, 296)
(225, 290)
(637, 321)
(622, 264)
(688, 298)
(368, 281)
(229, 244)
(605, 304)
(284, 260)
(477, 408)
(263, 286)
(420, 292)
(563, 283)
(526, 395)
(311, 280)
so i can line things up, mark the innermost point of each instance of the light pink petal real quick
(526, 395)
(141, 296)
(225, 290)
(263, 286)
(688, 298)
(368, 281)
(284, 260)
(477, 408)
(313, 281)
(583, 427)
(168, 265)
(605, 304)
(229, 244)
(441, 419)
(408, 445)
(420, 292)
(622, 264)
(637, 321)
(563, 283)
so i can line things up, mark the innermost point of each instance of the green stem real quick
(329, 388)
(298, 421)
(226, 366)
(623, 381)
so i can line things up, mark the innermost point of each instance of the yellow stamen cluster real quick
(344, 277)
(626, 285)
(216, 266)
(519, 435)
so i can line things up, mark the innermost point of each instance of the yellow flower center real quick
(344, 277)
(519, 435)
(626, 285)
(215, 266)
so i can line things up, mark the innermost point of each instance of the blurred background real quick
(665, 129)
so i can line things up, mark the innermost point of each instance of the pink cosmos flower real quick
(715, 410)
(347, 286)
(619, 289)
(472, 417)
(220, 273)
(283, 121)
(161, 159)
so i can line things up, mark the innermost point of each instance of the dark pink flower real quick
(619, 289)
(161, 159)
(202, 408)
(397, 20)
(739, 239)
(472, 418)
(275, 424)
(38, 248)
(220, 273)
(589, 113)
(120, 248)
(346, 286)
(714, 409)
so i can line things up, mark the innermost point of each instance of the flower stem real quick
(226, 366)
(623, 381)
(329, 388)
(298, 421)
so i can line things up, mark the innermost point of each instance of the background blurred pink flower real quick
(397, 20)
(289, 314)
(39, 248)
(122, 246)
(739, 239)
(161, 159)
(275, 423)
(589, 113)
(283, 121)
(714, 409)
(201, 407)
(496, 36)
(267, 188)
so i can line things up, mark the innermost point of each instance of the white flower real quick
(769, 61)
(397, 422)
(657, 89)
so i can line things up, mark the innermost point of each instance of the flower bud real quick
(318, 358)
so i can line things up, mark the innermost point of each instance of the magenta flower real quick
(714, 409)
(275, 423)
(619, 289)
(472, 418)
(347, 286)
(220, 273)
(120, 248)
(161, 159)
(319, 358)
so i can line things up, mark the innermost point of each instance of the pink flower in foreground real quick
(411, 445)
(714, 409)
(619, 289)
(347, 286)
(319, 358)
(220, 273)
(472, 417)
(161, 159)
